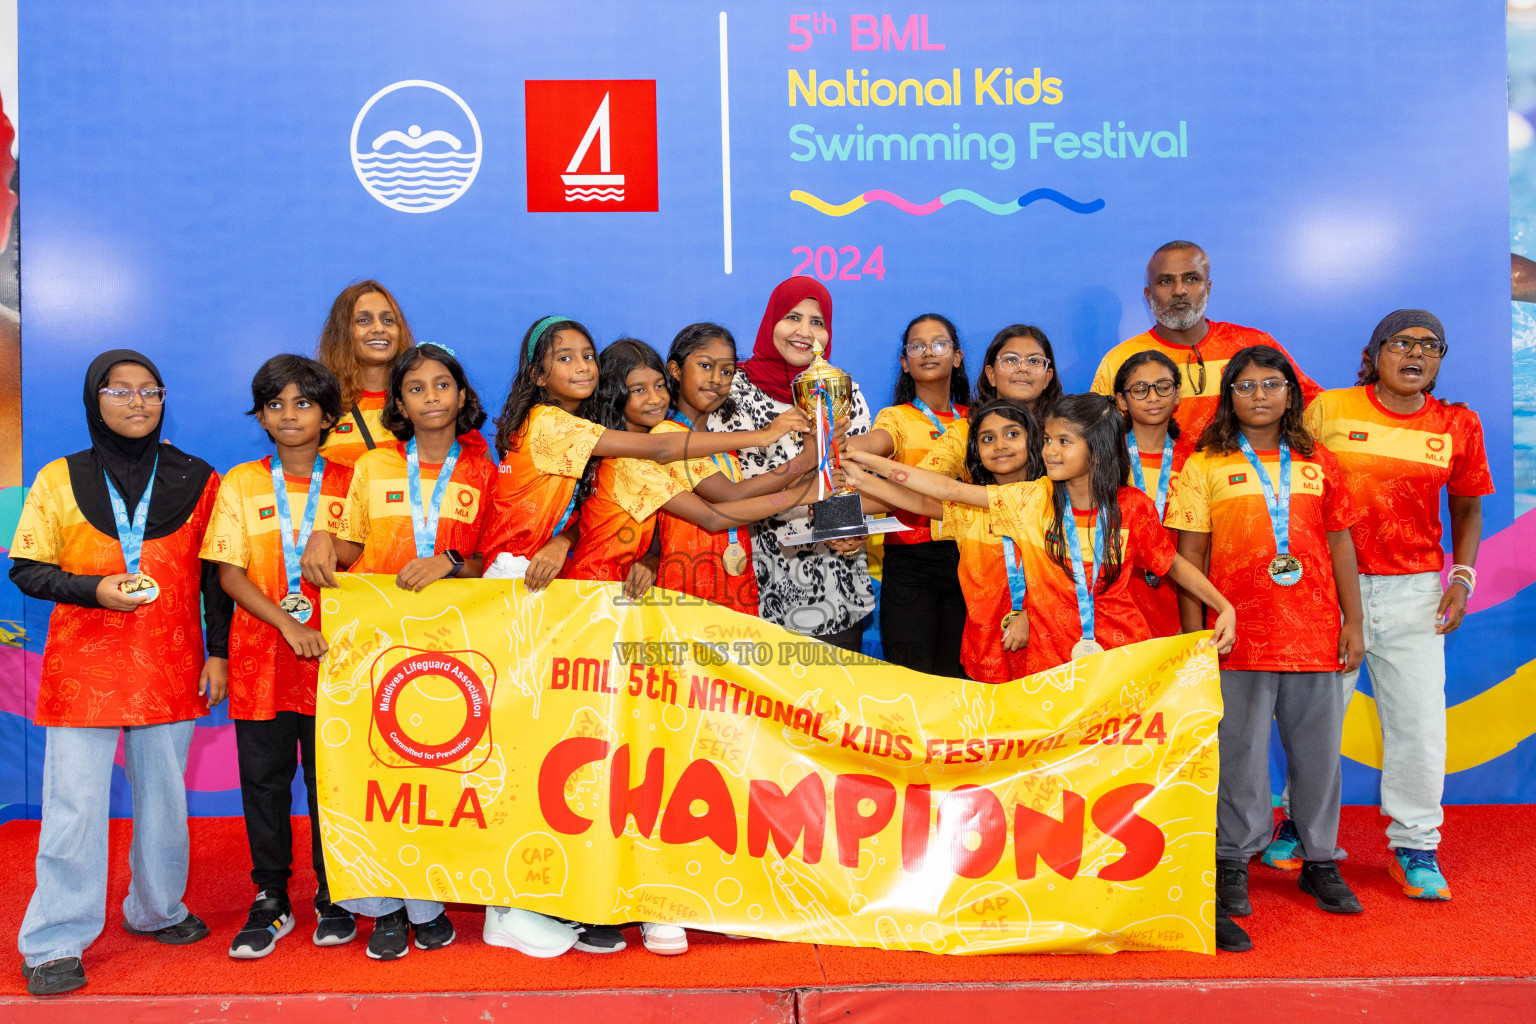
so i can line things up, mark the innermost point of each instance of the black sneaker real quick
(435, 934)
(1320, 880)
(183, 933)
(391, 938)
(55, 977)
(1230, 936)
(1232, 887)
(270, 919)
(596, 938)
(334, 926)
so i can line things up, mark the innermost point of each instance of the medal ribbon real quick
(291, 547)
(131, 534)
(1085, 584)
(722, 460)
(1164, 473)
(824, 444)
(1279, 504)
(933, 417)
(1017, 584)
(424, 521)
(565, 517)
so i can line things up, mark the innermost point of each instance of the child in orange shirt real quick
(990, 570)
(1147, 393)
(1266, 506)
(265, 514)
(1078, 600)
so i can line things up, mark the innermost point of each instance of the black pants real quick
(269, 753)
(850, 639)
(922, 609)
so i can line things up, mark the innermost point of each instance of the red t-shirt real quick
(534, 485)
(984, 582)
(1160, 604)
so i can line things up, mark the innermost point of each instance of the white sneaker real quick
(665, 939)
(526, 932)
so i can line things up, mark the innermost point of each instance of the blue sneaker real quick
(1284, 850)
(1418, 872)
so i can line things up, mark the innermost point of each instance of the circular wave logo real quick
(416, 146)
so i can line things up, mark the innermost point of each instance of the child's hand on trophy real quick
(840, 431)
(790, 421)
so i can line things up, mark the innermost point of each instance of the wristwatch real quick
(458, 563)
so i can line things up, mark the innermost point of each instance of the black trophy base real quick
(837, 517)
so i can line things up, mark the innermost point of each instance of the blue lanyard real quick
(424, 521)
(565, 517)
(1279, 505)
(933, 417)
(131, 534)
(1160, 499)
(1084, 583)
(721, 460)
(1017, 585)
(292, 548)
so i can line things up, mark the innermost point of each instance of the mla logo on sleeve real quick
(415, 146)
(591, 146)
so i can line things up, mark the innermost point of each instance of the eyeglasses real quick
(1141, 389)
(1272, 386)
(939, 347)
(1190, 372)
(123, 396)
(1404, 343)
(1012, 361)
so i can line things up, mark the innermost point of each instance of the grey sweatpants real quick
(1309, 708)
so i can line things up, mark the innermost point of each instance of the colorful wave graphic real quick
(957, 195)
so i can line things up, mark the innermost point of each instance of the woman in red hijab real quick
(820, 590)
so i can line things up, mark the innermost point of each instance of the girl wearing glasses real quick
(111, 536)
(1147, 392)
(922, 608)
(1400, 447)
(1264, 505)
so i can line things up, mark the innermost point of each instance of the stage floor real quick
(1487, 932)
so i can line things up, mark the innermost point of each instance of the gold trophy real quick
(825, 393)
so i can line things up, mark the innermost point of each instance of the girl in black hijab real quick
(124, 656)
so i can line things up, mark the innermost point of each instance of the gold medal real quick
(734, 557)
(144, 587)
(1008, 619)
(1085, 647)
(298, 606)
(1285, 569)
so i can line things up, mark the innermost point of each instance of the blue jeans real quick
(68, 908)
(419, 911)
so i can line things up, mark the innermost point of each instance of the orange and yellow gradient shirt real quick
(1279, 629)
(1197, 405)
(915, 436)
(378, 512)
(534, 485)
(1394, 467)
(106, 668)
(1024, 512)
(984, 582)
(265, 676)
(947, 456)
(692, 558)
(1160, 604)
(344, 445)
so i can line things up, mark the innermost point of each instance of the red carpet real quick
(1488, 930)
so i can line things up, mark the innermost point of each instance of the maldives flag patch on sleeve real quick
(394, 495)
(1358, 435)
(1237, 478)
(268, 512)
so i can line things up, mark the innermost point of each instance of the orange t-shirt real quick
(915, 436)
(692, 559)
(1222, 341)
(1024, 512)
(1160, 604)
(265, 676)
(984, 582)
(537, 479)
(344, 445)
(1279, 629)
(947, 456)
(1394, 467)
(378, 513)
(106, 668)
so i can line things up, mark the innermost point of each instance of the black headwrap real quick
(179, 479)
(1400, 320)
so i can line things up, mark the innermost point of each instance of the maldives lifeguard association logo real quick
(591, 146)
(413, 722)
(416, 146)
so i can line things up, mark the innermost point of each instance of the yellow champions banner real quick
(580, 755)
